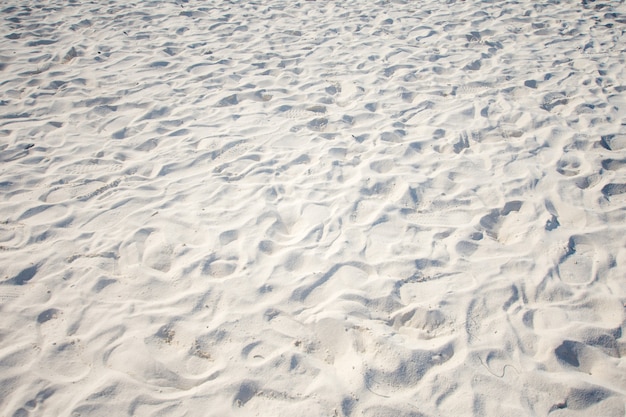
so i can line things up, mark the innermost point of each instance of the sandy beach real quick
(312, 208)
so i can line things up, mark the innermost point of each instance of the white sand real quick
(312, 208)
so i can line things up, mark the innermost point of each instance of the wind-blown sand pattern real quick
(312, 208)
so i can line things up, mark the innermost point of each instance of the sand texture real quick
(312, 208)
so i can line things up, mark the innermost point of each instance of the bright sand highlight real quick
(314, 208)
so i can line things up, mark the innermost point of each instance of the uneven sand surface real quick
(312, 208)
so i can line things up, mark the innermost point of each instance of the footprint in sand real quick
(93, 166)
(579, 264)
(616, 142)
(493, 222)
(27, 293)
(569, 165)
(13, 235)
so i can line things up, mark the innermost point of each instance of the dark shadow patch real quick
(558, 406)
(21, 412)
(228, 101)
(473, 66)
(552, 100)
(102, 284)
(166, 333)
(466, 248)
(394, 137)
(47, 315)
(171, 51)
(247, 390)
(605, 142)
(24, 276)
(120, 134)
(582, 398)
(613, 164)
(463, 143)
(530, 83)
(511, 206)
(568, 352)
(284, 108)
(148, 145)
(71, 54)
(42, 42)
(371, 107)
(473, 37)
(347, 405)
(318, 125)
(612, 189)
(179, 132)
(552, 223)
(361, 138)
(514, 298)
(157, 113)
